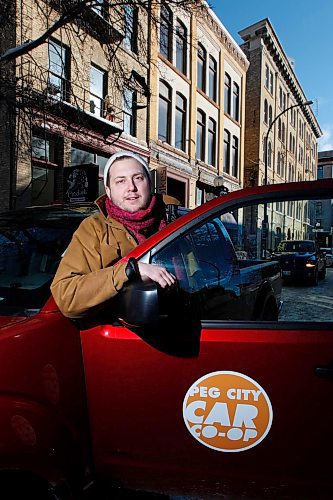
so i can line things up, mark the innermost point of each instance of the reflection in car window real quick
(31, 246)
(203, 261)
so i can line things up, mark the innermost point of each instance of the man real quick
(89, 274)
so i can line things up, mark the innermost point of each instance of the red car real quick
(182, 398)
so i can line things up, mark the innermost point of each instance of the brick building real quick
(173, 91)
(71, 102)
(274, 113)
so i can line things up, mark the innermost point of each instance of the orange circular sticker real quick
(227, 411)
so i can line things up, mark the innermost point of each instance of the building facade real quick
(168, 84)
(281, 132)
(198, 80)
(324, 208)
(72, 101)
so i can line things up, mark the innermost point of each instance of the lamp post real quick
(265, 226)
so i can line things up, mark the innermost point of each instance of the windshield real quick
(31, 245)
(296, 246)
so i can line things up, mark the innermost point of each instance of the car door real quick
(206, 404)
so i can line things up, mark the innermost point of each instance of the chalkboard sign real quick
(81, 182)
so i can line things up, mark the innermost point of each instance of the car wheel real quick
(314, 280)
(322, 273)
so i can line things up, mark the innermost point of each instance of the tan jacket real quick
(88, 274)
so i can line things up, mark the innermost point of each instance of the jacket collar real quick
(100, 203)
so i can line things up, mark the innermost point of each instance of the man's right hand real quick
(156, 273)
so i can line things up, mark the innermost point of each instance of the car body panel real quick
(146, 444)
(137, 385)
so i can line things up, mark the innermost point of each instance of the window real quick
(43, 149)
(269, 79)
(211, 142)
(269, 154)
(212, 78)
(59, 74)
(181, 47)
(166, 32)
(201, 135)
(212, 261)
(180, 122)
(130, 25)
(234, 156)
(201, 67)
(80, 156)
(293, 117)
(270, 115)
(98, 86)
(266, 76)
(283, 134)
(278, 166)
(164, 113)
(265, 111)
(279, 129)
(227, 93)
(282, 99)
(129, 111)
(320, 172)
(235, 101)
(226, 151)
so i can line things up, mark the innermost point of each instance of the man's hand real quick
(156, 273)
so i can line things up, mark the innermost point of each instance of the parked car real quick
(300, 260)
(191, 392)
(328, 256)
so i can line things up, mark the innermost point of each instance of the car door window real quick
(204, 261)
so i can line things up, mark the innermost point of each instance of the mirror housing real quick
(138, 304)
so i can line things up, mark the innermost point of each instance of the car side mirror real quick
(138, 304)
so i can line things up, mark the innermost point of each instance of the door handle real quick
(325, 371)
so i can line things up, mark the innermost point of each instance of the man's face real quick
(128, 185)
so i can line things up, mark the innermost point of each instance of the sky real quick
(304, 29)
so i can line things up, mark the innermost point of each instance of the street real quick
(303, 302)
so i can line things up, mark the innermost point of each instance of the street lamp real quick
(265, 226)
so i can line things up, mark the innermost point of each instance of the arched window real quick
(226, 151)
(180, 122)
(235, 101)
(234, 156)
(181, 47)
(212, 78)
(166, 32)
(201, 67)
(201, 135)
(265, 111)
(269, 154)
(227, 93)
(270, 115)
(278, 166)
(164, 112)
(211, 160)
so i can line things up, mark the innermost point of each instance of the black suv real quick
(300, 259)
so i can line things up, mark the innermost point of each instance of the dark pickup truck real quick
(300, 260)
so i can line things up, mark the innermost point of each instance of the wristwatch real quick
(132, 269)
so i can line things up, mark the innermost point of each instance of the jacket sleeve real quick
(81, 284)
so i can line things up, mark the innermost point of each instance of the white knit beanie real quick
(122, 154)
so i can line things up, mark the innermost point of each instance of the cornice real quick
(231, 47)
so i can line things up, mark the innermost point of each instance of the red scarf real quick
(142, 223)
